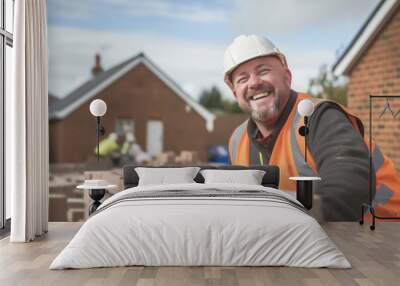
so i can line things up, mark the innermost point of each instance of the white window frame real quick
(6, 39)
(122, 124)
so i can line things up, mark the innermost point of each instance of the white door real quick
(154, 137)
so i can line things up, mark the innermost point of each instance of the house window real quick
(6, 43)
(124, 126)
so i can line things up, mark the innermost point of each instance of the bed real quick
(201, 222)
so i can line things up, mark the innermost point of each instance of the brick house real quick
(372, 65)
(139, 97)
(52, 99)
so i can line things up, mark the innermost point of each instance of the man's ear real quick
(231, 87)
(288, 77)
(234, 93)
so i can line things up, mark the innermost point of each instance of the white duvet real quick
(183, 231)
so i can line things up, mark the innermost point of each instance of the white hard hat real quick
(113, 136)
(245, 48)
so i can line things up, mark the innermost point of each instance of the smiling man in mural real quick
(260, 79)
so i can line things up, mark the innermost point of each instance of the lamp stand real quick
(100, 130)
(368, 206)
(303, 131)
(304, 184)
(96, 195)
(98, 137)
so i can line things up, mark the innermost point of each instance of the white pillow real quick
(162, 176)
(248, 177)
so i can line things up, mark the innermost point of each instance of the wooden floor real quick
(375, 257)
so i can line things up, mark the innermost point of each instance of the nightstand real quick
(97, 189)
(304, 190)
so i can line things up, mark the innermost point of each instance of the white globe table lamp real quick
(304, 184)
(305, 108)
(97, 188)
(98, 108)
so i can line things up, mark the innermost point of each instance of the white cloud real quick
(292, 16)
(305, 64)
(186, 11)
(61, 9)
(193, 65)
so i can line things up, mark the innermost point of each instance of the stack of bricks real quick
(170, 158)
(377, 72)
(165, 158)
(187, 157)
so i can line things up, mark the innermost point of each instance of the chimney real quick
(97, 66)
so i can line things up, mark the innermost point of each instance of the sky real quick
(187, 39)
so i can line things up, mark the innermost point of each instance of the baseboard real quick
(5, 231)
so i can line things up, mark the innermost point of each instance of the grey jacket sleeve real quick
(342, 160)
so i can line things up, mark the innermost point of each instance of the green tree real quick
(212, 100)
(328, 86)
(231, 106)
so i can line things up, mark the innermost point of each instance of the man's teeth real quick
(260, 95)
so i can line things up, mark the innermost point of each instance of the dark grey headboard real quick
(270, 179)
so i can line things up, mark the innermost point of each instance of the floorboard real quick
(374, 255)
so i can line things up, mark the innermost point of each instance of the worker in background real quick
(141, 157)
(132, 150)
(126, 147)
(109, 147)
(260, 79)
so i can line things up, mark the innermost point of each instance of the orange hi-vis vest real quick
(288, 154)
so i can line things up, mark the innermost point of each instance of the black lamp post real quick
(98, 108)
(304, 184)
(305, 108)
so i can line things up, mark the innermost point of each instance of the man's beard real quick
(264, 115)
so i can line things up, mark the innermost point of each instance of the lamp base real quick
(303, 130)
(304, 193)
(372, 212)
(96, 195)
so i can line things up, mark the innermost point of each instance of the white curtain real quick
(27, 146)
